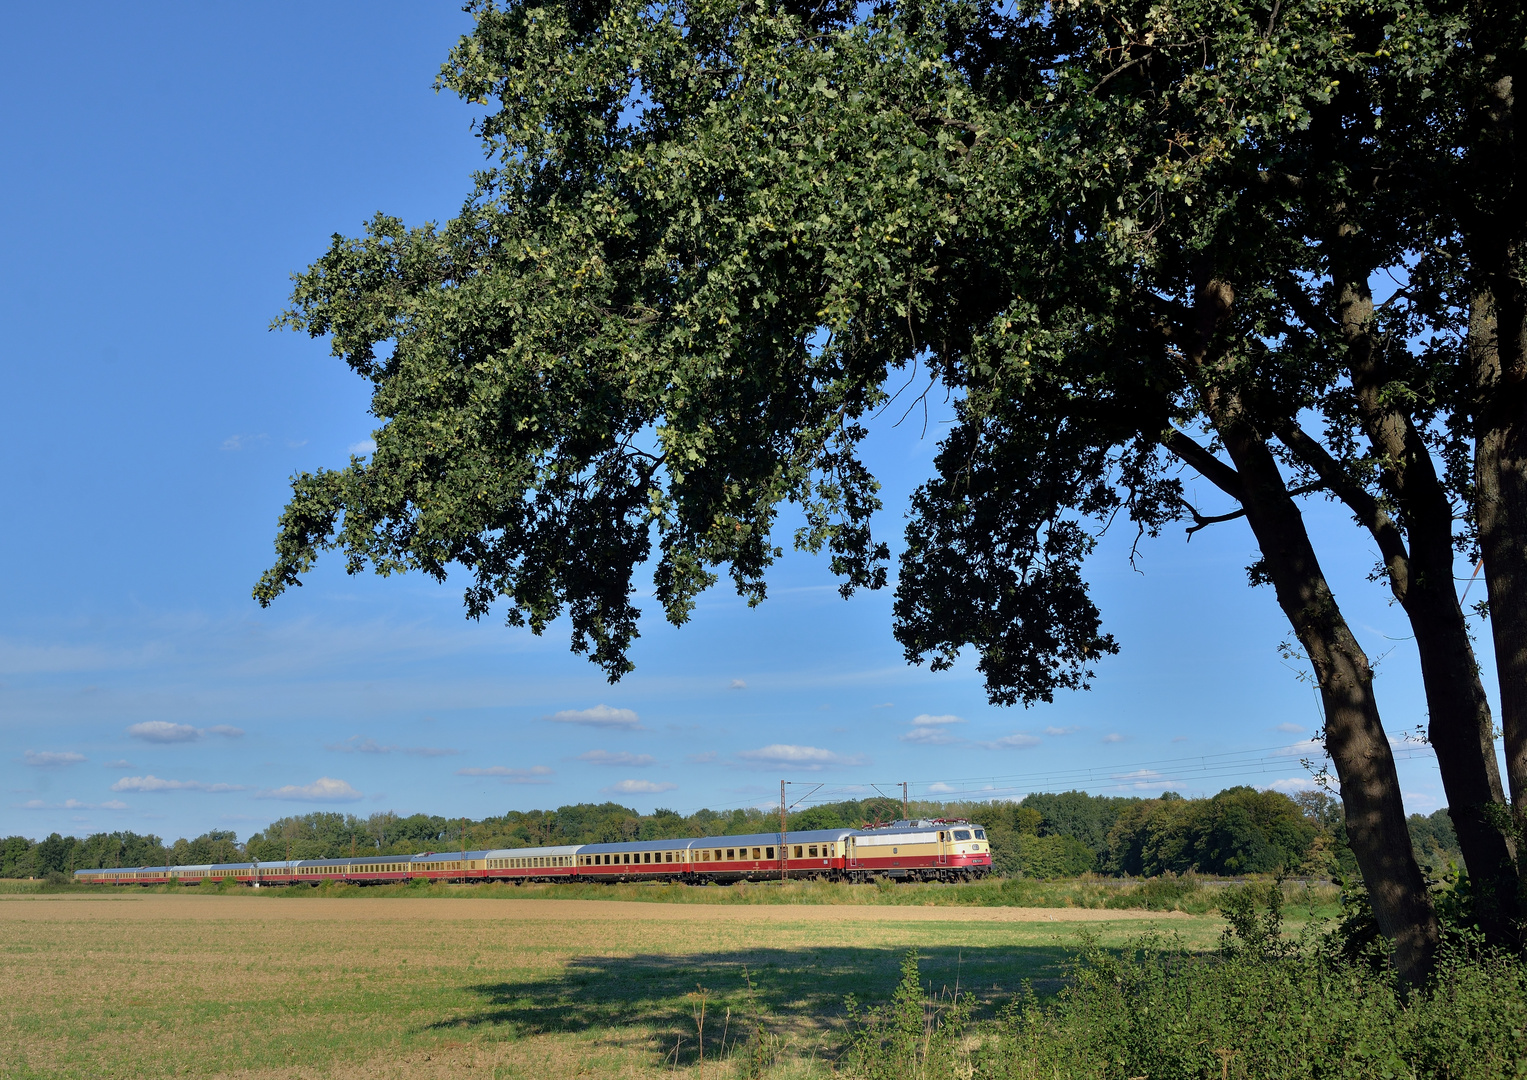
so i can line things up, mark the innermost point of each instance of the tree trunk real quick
(1460, 729)
(1495, 236)
(1354, 735)
(1500, 465)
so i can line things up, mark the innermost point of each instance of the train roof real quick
(677, 844)
(447, 856)
(533, 852)
(382, 858)
(923, 825)
(804, 836)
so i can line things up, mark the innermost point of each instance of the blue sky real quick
(166, 168)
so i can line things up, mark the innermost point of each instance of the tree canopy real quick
(1126, 237)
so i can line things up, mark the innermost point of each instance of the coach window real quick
(797, 851)
(731, 853)
(768, 853)
(718, 854)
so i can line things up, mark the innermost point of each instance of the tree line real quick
(1239, 831)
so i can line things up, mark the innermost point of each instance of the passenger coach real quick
(906, 850)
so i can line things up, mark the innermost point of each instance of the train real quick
(922, 850)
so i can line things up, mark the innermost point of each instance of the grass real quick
(102, 984)
(1191, 895)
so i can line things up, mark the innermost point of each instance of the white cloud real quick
(1139, 780)
(120, 763)
(74, 804)
(738, 684)
(48, 759)
(1018, 740)
(162, 731)
(1306, 748)
(621, 757)
(806, 758)
(638, 787)
(356, 744)
(239, 442)
(931, 736)
(324, 789)
(1290, 729)
(1292, 784)
(536, 774)
(154, 783)
(1113, 737)
(940, 788)
(924, 720)
(362, 448)
(600, 716)
(1062, 730)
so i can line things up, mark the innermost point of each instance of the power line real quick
(1141, 775)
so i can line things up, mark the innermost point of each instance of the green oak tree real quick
(1128, 238)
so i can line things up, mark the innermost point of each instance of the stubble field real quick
(147, 985)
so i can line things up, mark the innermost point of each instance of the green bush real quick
(1162, 1012)
(1265, 1006)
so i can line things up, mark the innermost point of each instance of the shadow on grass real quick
(794, 992)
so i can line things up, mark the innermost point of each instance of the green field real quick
(113, 984)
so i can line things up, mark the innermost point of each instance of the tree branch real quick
(1200, 521)
(1369, 511)
(1209, 467)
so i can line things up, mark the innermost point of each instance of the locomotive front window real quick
(980, 834)
(962, 834)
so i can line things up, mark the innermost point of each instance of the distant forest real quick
(1239, 831)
